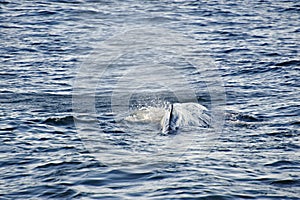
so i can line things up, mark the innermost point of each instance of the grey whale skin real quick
(184, 115)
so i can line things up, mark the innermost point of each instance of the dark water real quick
(256, 46)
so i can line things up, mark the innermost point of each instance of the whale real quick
(179, 115)
(172, 117)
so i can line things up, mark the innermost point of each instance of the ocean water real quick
(72, 71)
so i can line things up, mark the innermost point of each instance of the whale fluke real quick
(184, 115)
(172, 117)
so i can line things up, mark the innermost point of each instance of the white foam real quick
(146, 115)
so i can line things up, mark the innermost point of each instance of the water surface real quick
(256, 46)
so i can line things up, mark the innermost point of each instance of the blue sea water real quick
(255, 46)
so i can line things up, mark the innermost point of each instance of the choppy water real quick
(255, 45)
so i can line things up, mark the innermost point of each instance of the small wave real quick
(282, 163)
(291, 9)
(124, 174)
(244, 117)
(4, 2)
(46, 12)
(60, 193)
(58, 165)
(295, 123)
(59, 121)
(7, 128)
(289, 63)
(286, 183)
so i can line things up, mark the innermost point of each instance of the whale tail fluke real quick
(184, 115)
